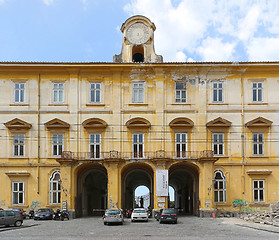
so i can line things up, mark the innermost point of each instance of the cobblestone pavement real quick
(187, 228)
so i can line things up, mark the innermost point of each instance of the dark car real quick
(20, 210)
(10, 217)
(168, 216)
(44, 213)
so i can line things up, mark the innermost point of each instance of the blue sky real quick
(187, 30)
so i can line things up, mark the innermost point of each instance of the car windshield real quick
(113, 212)
(43, 210)
(168, 211)
(139, 211)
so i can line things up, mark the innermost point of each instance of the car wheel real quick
(105, 223)
(18, 223)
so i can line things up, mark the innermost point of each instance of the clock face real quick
(138, 33)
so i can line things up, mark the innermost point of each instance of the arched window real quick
(219, 186)
(55, 188)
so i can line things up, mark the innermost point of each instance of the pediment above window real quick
(138, 123)
(94, 123)
(219, 123)
(17, 124)
(181, 123)
(259, 122)
(57, 124)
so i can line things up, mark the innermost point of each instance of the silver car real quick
(113, 216)
(10, 217)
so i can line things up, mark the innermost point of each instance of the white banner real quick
(162, 183)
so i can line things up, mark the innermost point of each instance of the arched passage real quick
(134, 175)
(183, 177)
(92, 190)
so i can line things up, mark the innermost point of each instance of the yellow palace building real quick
(86, 135)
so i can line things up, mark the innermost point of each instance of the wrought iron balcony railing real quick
(160, 154)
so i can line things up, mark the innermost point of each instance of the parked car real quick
(20, 210)
(168, 215)
(113, 216)
(44, 213)
(139, 214)
(10, 217)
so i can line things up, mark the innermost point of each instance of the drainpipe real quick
(242, 138)
(39, 136)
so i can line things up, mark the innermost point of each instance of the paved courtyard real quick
(187, 228)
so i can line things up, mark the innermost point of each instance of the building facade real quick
(86, 135)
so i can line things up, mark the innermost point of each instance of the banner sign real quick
(162, 183)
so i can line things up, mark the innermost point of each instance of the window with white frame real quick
(138, 145)
(55, 188)
(19, 92)
(258, 144)
(258, 190)
(180, 92)
(218, 143)
(257, 89)
(18, 193)
(95, 145)
(138, 91)
(18, 145)
(57, 144)
(219, 186)
(217, 92)
(181, 145)
(58, 93)
(95, 92)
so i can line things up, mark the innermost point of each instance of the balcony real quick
(126, 156)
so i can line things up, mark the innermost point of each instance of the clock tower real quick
(138, 41)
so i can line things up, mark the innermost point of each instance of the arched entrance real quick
(92, 190)
(134, 175)
(183, 178)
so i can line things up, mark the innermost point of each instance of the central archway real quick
(134, 175)
(183, 178)
(92, 190)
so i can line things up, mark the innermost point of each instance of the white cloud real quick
(214, 49)
(48, 2)
(264, 49)
(180, 56)
(211, 29)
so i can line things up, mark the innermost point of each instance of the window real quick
(18, 145)
(95, 145)
(95, 92)
(54, 188)
(19, 92)
(217, 92)
(181, 145)
(58, 92)
(219, 186)
(257, 91)
(138, 145)
(18, 193)
(218, 143)
(138, 92)
(57, 144)
(180, 92)
(258, 190)
(258, 144)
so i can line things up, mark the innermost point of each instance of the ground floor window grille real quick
(258, 190)
(95, 145)
(18, 193)
(219, 186)
(55, 188)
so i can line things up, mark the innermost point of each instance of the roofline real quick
(88, 64)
